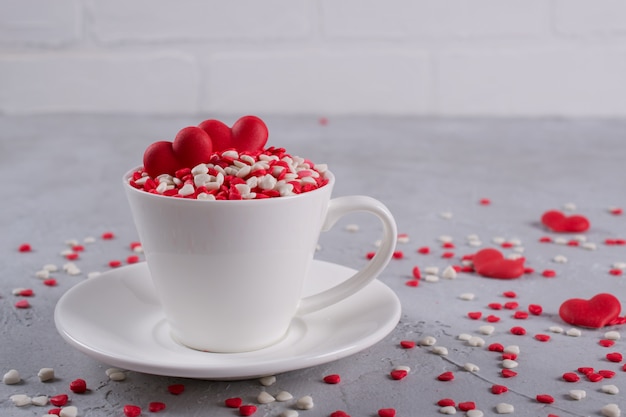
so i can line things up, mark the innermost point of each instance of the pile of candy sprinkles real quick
(230, 175)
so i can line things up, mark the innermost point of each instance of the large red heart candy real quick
(596, 312)
(248, 134)
(191, 147)
(492, 264)
(559, 222)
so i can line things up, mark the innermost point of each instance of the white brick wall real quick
(324, 57)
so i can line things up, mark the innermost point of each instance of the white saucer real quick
(115, 318)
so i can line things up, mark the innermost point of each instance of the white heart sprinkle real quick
(266, 381)
(40, 400)
(427, 341)
(305, 403)
(486, 329)
(283, 396)
(556, 329)
(514, 349)
(431, 278)
(569, 206)
(476, 341)
(619, 265)
(12, 377)
(447, 410)
(265, 398)
(468, 296)
(574, 332)
(475, 243)
(70, 411)
(117, 376)
(504, 408)
(449, 273)
(612, 335)
(498, 240)
(43, 274)
(20, 400)
(464, 337)
(560, 241)
(289, 413)
(470, 367)
(474, 413)
(611, 410)
(509, 364)
(402, 368)
(46, 374)
(610, 389)
(577, 394)
(431, 270)
(560, 259)
(440, 350)
(589, 246)
(445, 239)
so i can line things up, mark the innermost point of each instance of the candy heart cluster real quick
(194, 145)
(559, 222)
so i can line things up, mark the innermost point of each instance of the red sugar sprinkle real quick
(615, 271)
(417, 274)
(156, 406)
(234, 402)
(571, 377)
(594, 377)
(22, 304)
(549, 273)
(407, 344)
(496, 347)
(108, 235)
(508, 355)
(446, 402)
(492, 319)
(132, 410)
(510, 294)
(606, 343)
(78, 386)
(55, 411)
(614, 357)
(545, 398)
(518, 331)
(585, 370)
(484, 201)
(387, 412)
(520, 315)
(25, 247)
(176, 389)
(50, 282)
(115, 263)
(528, 270)
(72, 256)
(535, 309)
(507, 373)
(339, 413)
(498, 389)
(495, 306)
(474, 315)
(448, 245)
(424, 250)
(132, 259)
(545, 239)
(59, 400)
(398, 254)
(606, 373)
(447, 255)
(616, 211)
(511, 305)
(413, 283)
(398, 374)
(370, 255)
(78, 248)
(446, 376)
(134, 245)
(573, 243)
(467, 405)
(26, 292)
(506, 245)
(247, 410)
(332, 379)
(542, 337)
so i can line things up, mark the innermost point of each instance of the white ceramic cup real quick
(229, 274)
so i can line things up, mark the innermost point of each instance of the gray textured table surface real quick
(61, 180)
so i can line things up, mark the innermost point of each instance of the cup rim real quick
(125, 180)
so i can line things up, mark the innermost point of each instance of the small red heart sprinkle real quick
(559, 222)
(78, 248)
(156, 406)
(413, 283)
(492, 319)
(507, 373)
(370, 255)
(176, 389)
(446, 376)
(542, 337)
(446, 402)
(132, 259)
(22, 304)
(417, 274)
(234, 402)
(386, 412)
(496, 347)
(586, 370)
(491, 263)
(24, 247)
(115, 263)
(467, 405)
(498, 389)
(50, 282)
(594, 377)
(511, 356)
(447, 255)
(510, 294)
(247, 410)
(535, 309)
(26, 292)
(608, 374)
(72, 256)
(339, 413)
(448, 245)
(520, 315)
(614, 357)
(571, 377)
(398, 374)
(545, 398)
(606, 343)
(424, 250)
(407, 344)
(506, 245)
(398, 254)
(332, 379)
(616, 271)
(545, 239)
(511, 305)
(108, 235)
(59, 400)
(549, 273)
(474, 315)
(596, 312)
(55, 411)
(78, 386)
(616, 211)
(132, 410)
(518, 331)
(484, 201)
(495, 306)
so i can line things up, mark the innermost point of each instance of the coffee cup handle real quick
(337, 208)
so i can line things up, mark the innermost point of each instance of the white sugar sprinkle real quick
(440, 350)
(504, 408)
(69, 411)
(519, 249)
(93, 274)
(476, 341)
(509, 364)
(610, 389)
(486, 329)
(577, 394)
(470, 367)
(265, 398)
(619, 265)
(43, 274)
(284, 396)
(475, 243)
(611, 410)
(514, 349)
(580, 238)
(446, 215)
(560, 240)
(445, 239)
(449, 273)
(427, 341)
(468, 296)
(574, 332)
(449, 410)
(431, 278)
(46, 374)
(12, 377)
(464, 337)
(433, 270)
(569, 206)
(474, 413)
(305, 403)
(40, 400)
(560, 259)
(589, 246)
(50, 268)
(402, 368)
(266, 381)
(556, 329)
(289, 413)
(352, 227)
(498, 240)
(612, 335)
(20, 400)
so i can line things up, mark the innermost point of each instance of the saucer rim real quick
(267, 366)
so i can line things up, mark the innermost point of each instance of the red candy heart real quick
(132, 411)
(59, 400)
(191, 147)
(492, 264)
(596, 312)
(387, 412)
(156, 406)
(248, 134)
(559, 222)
